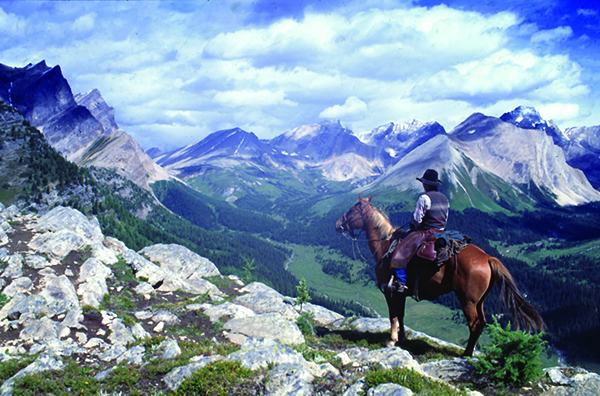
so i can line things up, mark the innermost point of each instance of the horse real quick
(471, 275)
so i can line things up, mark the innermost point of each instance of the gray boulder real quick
(60, 295)
(456, 369)
(587, 384)
(216, 312)
(18, 285)
(14, 268)
(389, 390)
(387, 357)
(65, 218)
(256, 353)
(164, 279)
(92, 277)
(289, 379)
(42, 363)
(321, 316)
(269, 325)
(370, 325)
(180, 260)
(261, 299)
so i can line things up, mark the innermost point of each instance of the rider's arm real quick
(423, 205)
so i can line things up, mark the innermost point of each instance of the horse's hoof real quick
(391, 344)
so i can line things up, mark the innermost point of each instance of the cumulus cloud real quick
(561, 33)
(179, 70)
(351, 109)
(252, 98)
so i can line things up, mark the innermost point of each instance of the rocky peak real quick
(399, 139)
(93, 101)
(527, 117)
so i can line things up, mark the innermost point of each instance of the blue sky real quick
(177, 71)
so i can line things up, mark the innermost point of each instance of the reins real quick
(354, 239)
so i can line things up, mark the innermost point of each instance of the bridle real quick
(347, 226)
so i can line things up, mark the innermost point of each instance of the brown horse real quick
(471, 275)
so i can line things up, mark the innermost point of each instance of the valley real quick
(234, 198)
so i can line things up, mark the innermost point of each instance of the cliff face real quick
(72, 293)
(82, 128)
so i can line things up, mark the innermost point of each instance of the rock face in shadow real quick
(82, 127)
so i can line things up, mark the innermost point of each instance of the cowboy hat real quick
(430, 177)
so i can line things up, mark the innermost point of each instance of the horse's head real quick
(354, 218)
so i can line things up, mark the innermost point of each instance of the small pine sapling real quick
(303, 296)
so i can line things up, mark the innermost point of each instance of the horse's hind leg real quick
(396, 304)
(476, 321)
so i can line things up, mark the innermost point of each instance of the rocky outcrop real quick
(82, 127)
(75, 294)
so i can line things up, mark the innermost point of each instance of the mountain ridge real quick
(44, 97)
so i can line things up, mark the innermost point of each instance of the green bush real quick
(221, 378)
(305, 324)
(407, 378)
(4, 300)
(512, 359)
(73, 379)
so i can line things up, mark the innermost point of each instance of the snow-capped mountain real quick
(527, 117)
(400, 139)
(581, 145)
(326, 146)
(486, 158)
(522, 157)
(82, 128)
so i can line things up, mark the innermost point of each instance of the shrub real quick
(221, 378)
(407, 378)
(512, 359)
(305, 323)
(4, 300)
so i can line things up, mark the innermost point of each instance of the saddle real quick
(431, 245)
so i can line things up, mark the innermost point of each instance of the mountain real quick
(527, 117)
(44, 98)
(82, 128)
(326, 147)
(493, 161)
(400, 139)
(523, 157)
(581, 145)
(33, 172)
(221, 148)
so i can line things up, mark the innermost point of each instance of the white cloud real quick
(561, 33)
(252, 98)
(177, 70)
(84, 23)
(350, 110)
(559, 111)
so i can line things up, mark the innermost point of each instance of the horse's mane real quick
(383, 223)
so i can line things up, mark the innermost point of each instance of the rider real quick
(430, 215)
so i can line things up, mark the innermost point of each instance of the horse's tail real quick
(524, 314)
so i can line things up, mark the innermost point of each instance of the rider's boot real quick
(398, 282)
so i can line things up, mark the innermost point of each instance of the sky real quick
(177, 71)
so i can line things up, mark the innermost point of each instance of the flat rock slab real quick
(181, 260)
(269, 325)
(256, 353)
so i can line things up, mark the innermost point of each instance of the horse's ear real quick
(361, 199)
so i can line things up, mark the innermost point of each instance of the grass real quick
(410, 379)
(221, 378)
